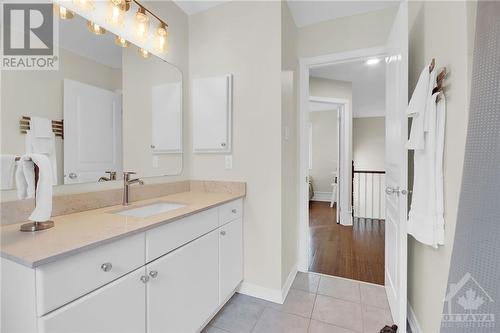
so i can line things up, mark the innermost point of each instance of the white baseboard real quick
(412, 320)
(322, 196)
(288, 283)
(268, 294)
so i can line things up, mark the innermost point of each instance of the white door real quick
(117, 307)
(396, 167)
(230, 258)
(92, 132)
(337, 174)
(183, 289)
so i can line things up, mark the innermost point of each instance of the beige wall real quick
(178, 55)
(368, 143)
(319, 87)
(244, 39)
(346, 33)
(289, 146)
(441, 30)
(40, 93)
(324, 149)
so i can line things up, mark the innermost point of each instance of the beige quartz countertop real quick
(73, 233)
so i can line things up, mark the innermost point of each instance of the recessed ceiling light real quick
(373, 61)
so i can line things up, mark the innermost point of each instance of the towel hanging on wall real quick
(425, 218)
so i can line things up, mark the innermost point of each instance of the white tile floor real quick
(315, 304)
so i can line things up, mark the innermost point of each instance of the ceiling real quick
(310, 12)
(368, 85)
(304, 12)
(192, 7)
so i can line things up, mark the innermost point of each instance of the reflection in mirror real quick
(120, 110)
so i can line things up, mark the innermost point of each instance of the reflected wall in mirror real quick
(120, 111)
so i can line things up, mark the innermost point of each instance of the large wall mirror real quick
(121, 111)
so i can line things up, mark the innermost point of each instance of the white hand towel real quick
(25, 178)
(41, 127)
(417, 108)
(43, 209)
(43, 145)
(8, 168)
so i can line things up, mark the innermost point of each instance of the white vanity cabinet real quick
(117, 307)
(182, 291)
(170, 278)
(230, 258)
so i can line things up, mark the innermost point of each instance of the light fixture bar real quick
(150, 12)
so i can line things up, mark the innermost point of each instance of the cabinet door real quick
(117, 307)
(212, 105)
(182, 292)
(230, 258)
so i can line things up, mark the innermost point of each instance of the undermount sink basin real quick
(150, 210)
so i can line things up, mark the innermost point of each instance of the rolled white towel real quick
(25, 181)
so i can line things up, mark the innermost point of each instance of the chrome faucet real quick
(112, 176)
(126, 183)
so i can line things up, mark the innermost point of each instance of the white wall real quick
(319, 87)
(244, 39)
(442, 30)
(178, 55)
(289, 146)
(346, 33)
(368, 143)
(324, 149)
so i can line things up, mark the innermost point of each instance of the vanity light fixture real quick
(63, 13)
(141, 24)
(120, 41)
(373, 61)
(161, 43)
(85, 5)
(95, 28)
(116, 12)
(144, 53)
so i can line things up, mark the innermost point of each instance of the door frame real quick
(305, 64)
(343, 106)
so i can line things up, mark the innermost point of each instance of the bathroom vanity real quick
(105, 271)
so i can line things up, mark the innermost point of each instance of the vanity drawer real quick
(62, 281)
(230, 211)
(170, 236)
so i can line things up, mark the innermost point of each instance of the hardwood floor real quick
(354, 252)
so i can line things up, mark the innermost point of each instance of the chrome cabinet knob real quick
(106, 266)
(223, 144)
(395, 190)
(234, 211)
(153, 274)
(223, 233)
(72, 175)
(144, 279)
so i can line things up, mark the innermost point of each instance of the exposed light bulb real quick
(373, 61)
(116, 12)
(161, 43)
(141, 24)
(95, 28)
(120, 41)
(63, 13)
(86, 5)
(144, 53)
